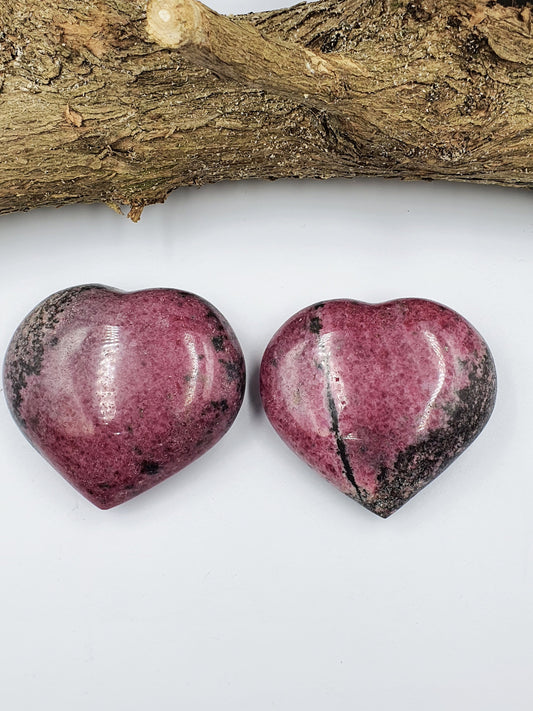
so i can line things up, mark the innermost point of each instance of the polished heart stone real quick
(121, 390)
(379, 398)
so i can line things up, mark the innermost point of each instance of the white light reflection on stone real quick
(297, 392)
(195, 367)
(70, 415)
(441, 363)
(333, 375)
(209, 371)
(106, 374)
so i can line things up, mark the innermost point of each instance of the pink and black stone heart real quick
(379, 398)
(121, 390)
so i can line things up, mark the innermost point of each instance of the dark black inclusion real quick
(233, 370)
(315, 325)
(149, 468)
(220, 405)
(218, 343)
(26, 351)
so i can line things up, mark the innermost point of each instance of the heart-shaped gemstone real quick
(379, 398)
(120, 390)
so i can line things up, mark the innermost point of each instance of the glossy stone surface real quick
(379, 398)
(120, 390)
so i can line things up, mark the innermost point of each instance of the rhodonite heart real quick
(120, 390)
(379, 398)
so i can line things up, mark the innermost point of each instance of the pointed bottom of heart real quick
(420, 463)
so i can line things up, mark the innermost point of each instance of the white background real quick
(246, 581)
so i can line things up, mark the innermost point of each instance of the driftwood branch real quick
(120, 101)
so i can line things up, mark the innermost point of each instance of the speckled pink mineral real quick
(379, 398)
(120, 390)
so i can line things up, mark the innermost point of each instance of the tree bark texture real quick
(121, 101)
